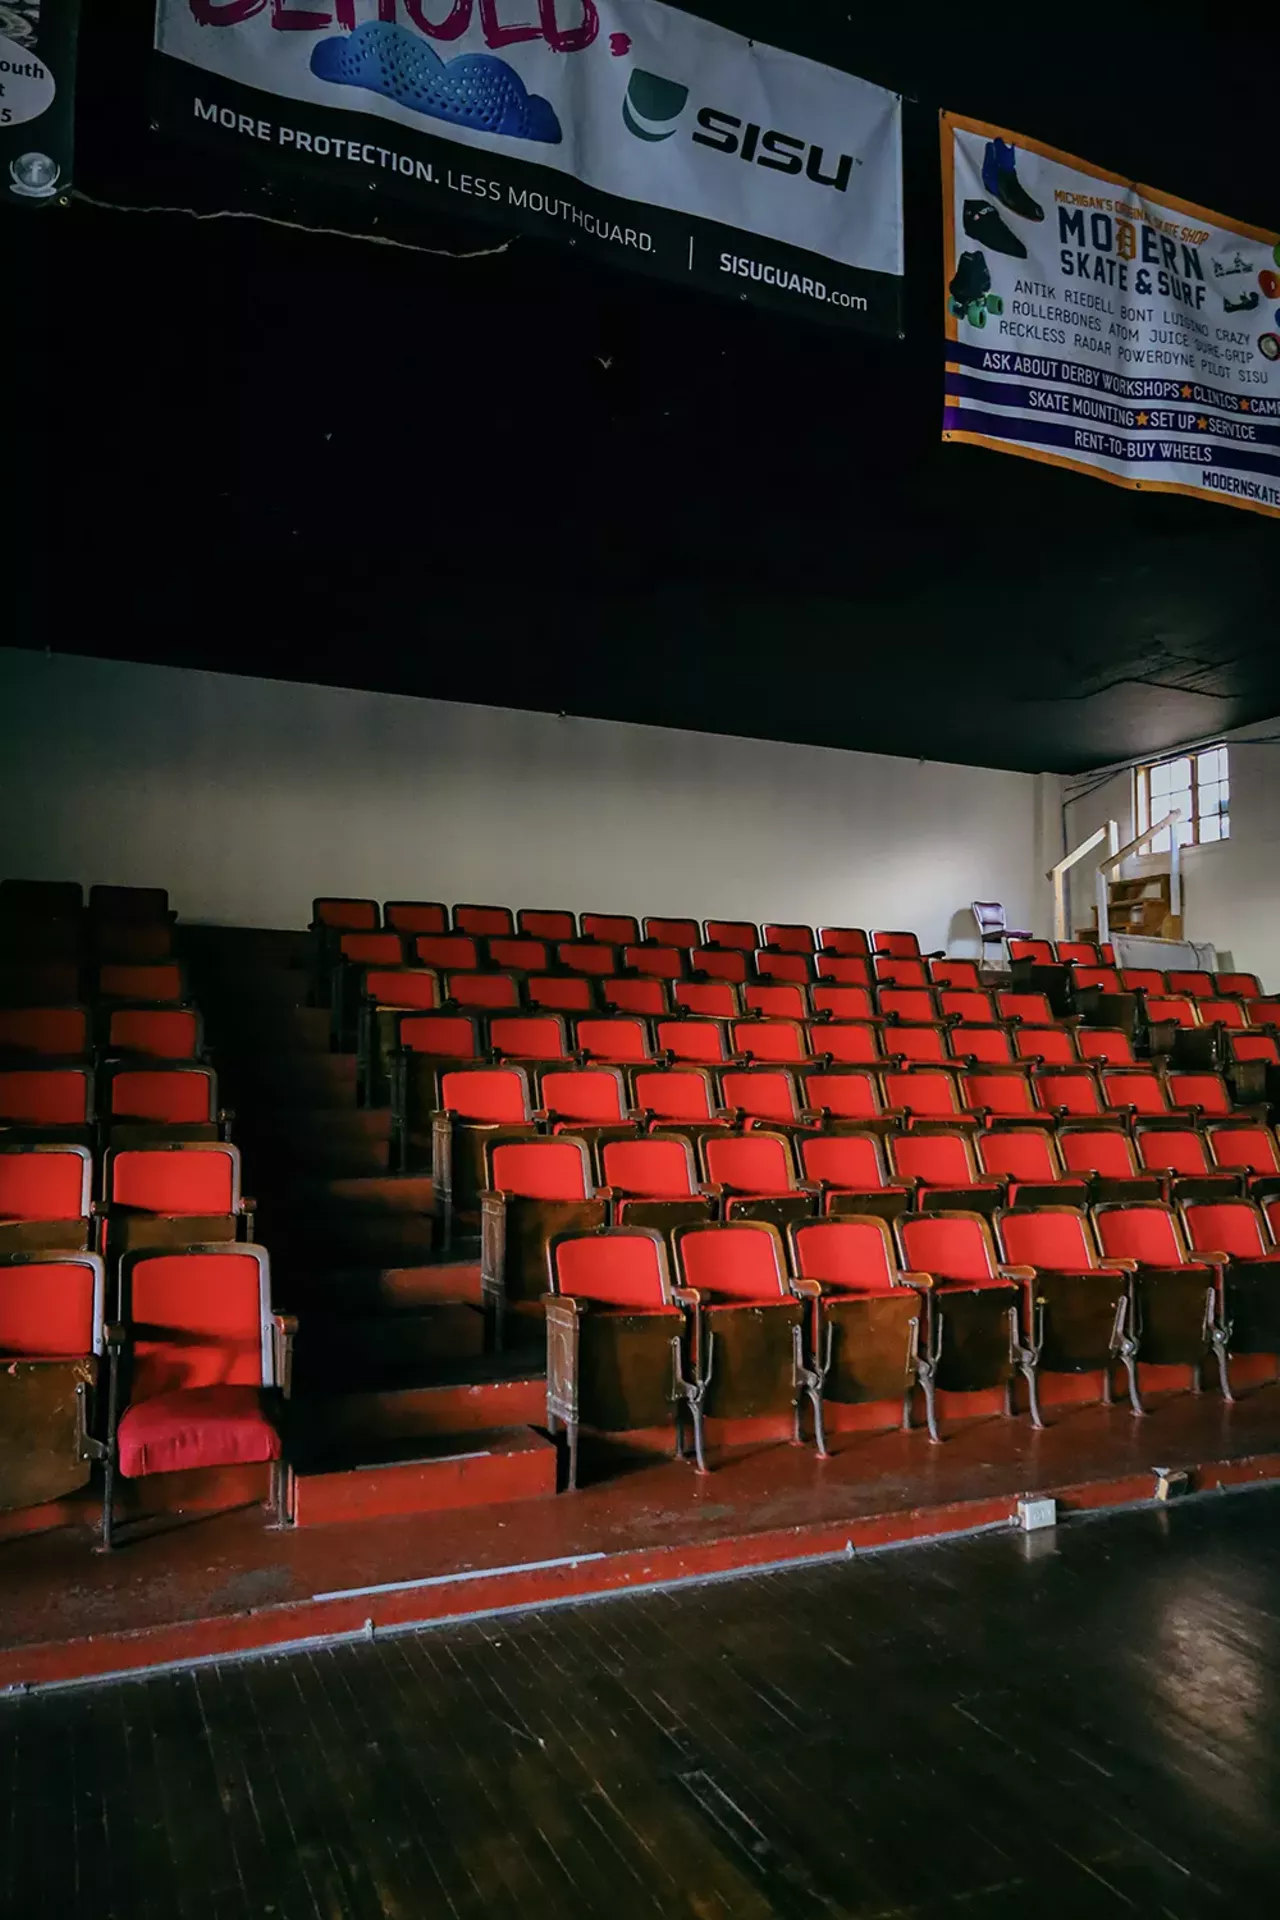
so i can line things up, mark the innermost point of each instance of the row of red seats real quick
(74, 1032)
(54, 1196)
(1092, 966)
(82, 1103)
(859, 1309)
(336, 915)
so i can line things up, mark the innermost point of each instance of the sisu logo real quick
(653, 105)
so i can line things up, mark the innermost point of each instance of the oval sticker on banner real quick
(26, 84)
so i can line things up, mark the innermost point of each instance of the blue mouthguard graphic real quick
(473, 90)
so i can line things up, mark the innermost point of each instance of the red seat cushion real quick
(196, 1427)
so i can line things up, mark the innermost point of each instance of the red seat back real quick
(645, 997)
(1106, 979)
(165, 1033)
(449, 952)
(44, 1032)
(713, 999)
(1177, 1013)
(1039, 952)
(789, 939)
(163, 981)
(592, 1096)
(416, 916)
(900, 973)
(1008, 1093)
(1245, 1149)
(1069, 1092)
(1245, 986)
(1055, 1239)
(786, 1002)
(1079, 952)
(201, 1320)
(915, 1004)
(660, 963)
(678, 1094)
(497, 1095)
(1137, 1087)
(924, 1092)
(1144, 1232)
(1141, 980)
(782, 1040)
(1225, 1013)
(171, 1096)
(516, 955)
(749, 1162)
(1023, 1153)
(903, 946)
(1226, 1226)
(845, 969)
(1101, 1150)
(619, 1039)
(193, 1179)
(345, 916)
(849, 1161)
(673, 933)
(1255, 1046)
(850, 1255)
(650, 1169)
(939, 1159)
(587, 956)
(371, 949)
(1198, 985)
(51, 1308)
(547, 923)
(1052, 1046)
(737, 1262)
(1205, 1091)
(563, 993)
(1108, 1044)
(762, 1094)
(959, 974)
(795, 967)
(483, 922)
(851, 941)
(960, 1003)
(1032, 1009)
(848, 1095)
(46, 1096)
(444, 1036)
(541, 1169)
(739, 934)
(527, 1036)
(924, 1044)
(955, 1249)
(615, 929)
(1176, 1150)
(488, 990)
(400, 987)
(45, 1183)
(624, 1268)
(843, 1002)
(702, 1040)
(847, 1042)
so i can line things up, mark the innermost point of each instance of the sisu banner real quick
(626, 126)
(37, 99)
(1096, 324)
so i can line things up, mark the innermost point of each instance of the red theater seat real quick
(844, 969)
(345, 916)
(648, 998)
(547, 923)
(484, 922)
(661, 963)
(46, 1195)
(850, 941)
(1200, 986)
(1244, 986)
(976, 1339)
(673, 933)
(757, 1041)
(797, 968)
(785, 1002)
(490, 991)
(614, 929)
(51, 1334)
(163, 981)
(943, 1170)
(961, 974)
(517, 955)
(530, 1036)
(891, 972)
(1180, 1311)
(161, 1033)
(1029, 1160)
(843, 1002)
(788, 939)
(849, 1171)
(582, 1097)
(371, 949)
(620, 1040)
(1039, 952)
(43, 1033)
(654, 1181)
(587, 956)
(908, 1045)
(43, 1102)
(678, 1097)
(1046, 1046)
(567, 993)
(711, 999)
(847, 1042)
(902, 946)
(1250, 1150)
(849, 1094)
(178, 1195)
(702, 1041)
(926, 1093)
(199, 1355)
(447, 952)
(442, 1036)
(867, 1321)
(1079, 1310)
(537, 1188)
(740, 935)
(1025, 1009)
(1107, 1045)
(756, 1173)
(416, 916)
(764, 1094)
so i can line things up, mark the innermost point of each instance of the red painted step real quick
(430, 1476)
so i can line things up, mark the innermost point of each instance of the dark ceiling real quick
(251, 448)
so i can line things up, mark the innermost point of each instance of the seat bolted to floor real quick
(617, 1340)
(1251, 1280)
(977, 1340)
(536, 1189)
(51, 1338)
(1180, 1306)
(1079, 1308)
(869, 1320)
(751, 1353)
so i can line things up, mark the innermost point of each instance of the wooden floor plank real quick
(1080, 1722)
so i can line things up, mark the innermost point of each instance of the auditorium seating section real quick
(715, 1179)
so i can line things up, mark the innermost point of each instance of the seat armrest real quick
(923, 1282)
(564, 1305)
(806, 1289)
(1118, 1265)
(688, 1296)
(605, 1193)
(1016, 1273)
(115, 1336)
(1213, 1259)
(286, 1331)
(810, 1117)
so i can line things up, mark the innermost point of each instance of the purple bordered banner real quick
(1093, 323)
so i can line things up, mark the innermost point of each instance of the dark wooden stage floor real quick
(1083, 1722)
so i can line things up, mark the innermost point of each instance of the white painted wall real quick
(1231, 890)
(247, 798)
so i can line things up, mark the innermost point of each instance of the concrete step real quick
(244, 1031)
(293, 1078)
(495, 1390)
(339, 1348)
(485, 1468)
(317, 1140)
(373, 1290)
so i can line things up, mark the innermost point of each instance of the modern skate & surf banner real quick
(37, 100)
(1097, 324)
(625, 127)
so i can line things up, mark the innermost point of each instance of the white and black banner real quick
(37, 100)
(625, 126)
(1098, 324)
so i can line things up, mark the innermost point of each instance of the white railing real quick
(1058, 875)
(1108, 865)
